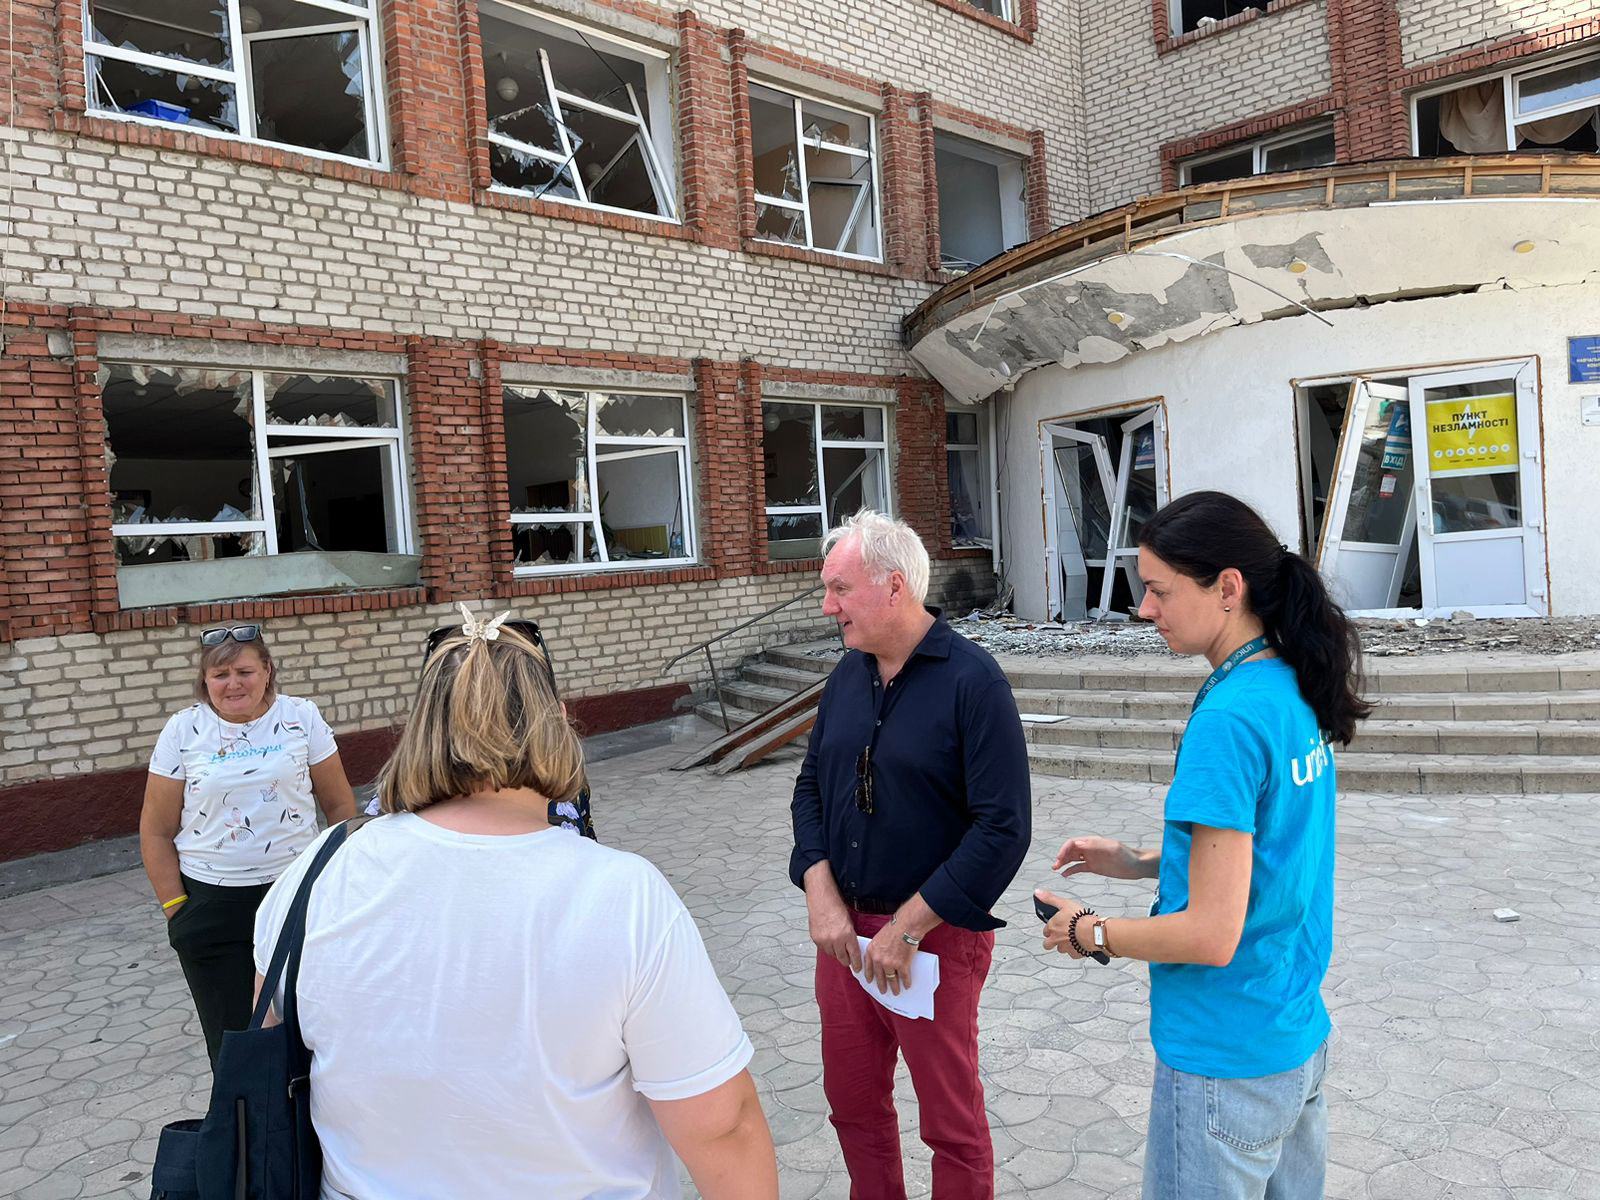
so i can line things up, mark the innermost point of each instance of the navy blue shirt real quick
(952, 813)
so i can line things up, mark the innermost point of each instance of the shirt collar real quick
(936, 642)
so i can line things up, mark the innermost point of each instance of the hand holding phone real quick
(1046, 911)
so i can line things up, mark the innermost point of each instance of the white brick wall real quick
(89, 703)
(1136, 100)
(1432, 29)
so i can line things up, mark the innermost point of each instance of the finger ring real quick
(891, 974)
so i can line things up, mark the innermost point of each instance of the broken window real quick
(995, 8)
(815, 174)
(1544, 108)
(1301, 150)
(966, 444)
(574, 115)
(597, 479)
(211, 464)
(823, 462)
(982, 207)
(291, 72)
(1189, 15)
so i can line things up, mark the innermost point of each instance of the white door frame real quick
(1117, 553)
(1530, 485)
(1049, 431)
(1333, 547)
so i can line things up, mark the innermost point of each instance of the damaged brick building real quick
(332, 313)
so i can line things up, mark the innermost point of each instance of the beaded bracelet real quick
(1072, 930)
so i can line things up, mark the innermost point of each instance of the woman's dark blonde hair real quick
(212, 657)
(486, 717)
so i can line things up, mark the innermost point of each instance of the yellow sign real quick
(1471, 433)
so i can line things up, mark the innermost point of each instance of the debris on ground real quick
(1006, 633)
(1506, 915)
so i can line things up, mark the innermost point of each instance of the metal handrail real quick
(705, 647)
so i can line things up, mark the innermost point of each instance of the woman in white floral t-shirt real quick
(230, 801)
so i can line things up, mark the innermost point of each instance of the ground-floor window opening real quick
(211, 464)
(597, 479)
(823, 462)
(967, 440)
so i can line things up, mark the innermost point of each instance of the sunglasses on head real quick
(527, 629)
(239, 633)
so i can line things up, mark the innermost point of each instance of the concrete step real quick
(708, 710)
(1456, 676)
(775, 675)
(1489, 706)
(755, 697)
(1476, 738)
(1405, 774)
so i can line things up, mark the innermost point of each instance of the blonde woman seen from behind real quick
(496, 1008)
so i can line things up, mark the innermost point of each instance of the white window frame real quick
(1006, 10)
(621, 447)
(320, 438)
(820, 444)
(363, 21)
(1511, 81)
(1258, 148)
(984, 448)
(656, 144)
(802, 144)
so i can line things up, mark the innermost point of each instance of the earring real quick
(1227, 608)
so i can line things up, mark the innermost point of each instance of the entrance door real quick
(1480, 503)
(1078, 490)
(1369, 529)
(1141, 488)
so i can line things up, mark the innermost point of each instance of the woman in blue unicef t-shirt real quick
(1239, 936)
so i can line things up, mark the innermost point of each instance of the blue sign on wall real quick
(1583, 359)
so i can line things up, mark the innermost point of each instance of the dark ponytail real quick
(1204, 533)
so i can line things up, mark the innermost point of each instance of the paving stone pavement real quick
(1466, 1062)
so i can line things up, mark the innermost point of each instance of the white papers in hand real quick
(915, 1000)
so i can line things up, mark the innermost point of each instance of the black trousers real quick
(214, 935)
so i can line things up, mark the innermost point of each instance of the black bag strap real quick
(291, 936)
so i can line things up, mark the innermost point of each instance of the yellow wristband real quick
(176, 900)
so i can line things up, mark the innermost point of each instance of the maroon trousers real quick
(860, 1039)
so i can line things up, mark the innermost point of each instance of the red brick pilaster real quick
(728, 441)
(1038, 186)
(919, 438)
(709, 115)
(909, 202)
(1365, 59)
(454, 485)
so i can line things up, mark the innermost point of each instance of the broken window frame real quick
(1175, 15)
(1258, 148)
(984, 487)
(1013, 192)
(802, 143)
(240, 76)
(655, 144)
(1003, 10)
(622, 447)
(1511, 81)
(819, 445)
(318, 439)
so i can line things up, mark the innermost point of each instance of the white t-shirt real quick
(248, 809)
(488, 1014)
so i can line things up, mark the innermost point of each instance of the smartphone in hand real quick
(1046, 911)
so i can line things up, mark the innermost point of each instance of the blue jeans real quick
(1238, 1139)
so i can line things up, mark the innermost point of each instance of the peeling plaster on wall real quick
(1308, 250)
(1358, 257)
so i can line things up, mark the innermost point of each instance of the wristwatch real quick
(1099, 936)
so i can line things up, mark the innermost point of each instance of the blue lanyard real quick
(1224, 668)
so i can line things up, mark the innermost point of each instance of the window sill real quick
(820, 258)
(1167, 42)
(954, 552)
(1023, 33)
(580, 214)
(259, 608)
(788, 566)
(544, 585)
(139, 133)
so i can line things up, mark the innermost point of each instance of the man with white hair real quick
(912, 814)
